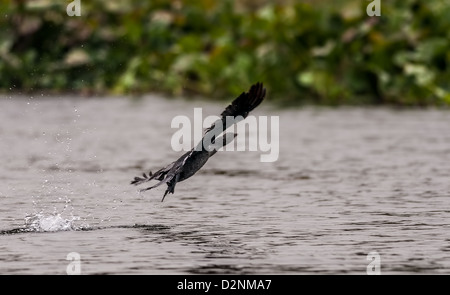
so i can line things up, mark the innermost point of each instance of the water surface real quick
(347, 182)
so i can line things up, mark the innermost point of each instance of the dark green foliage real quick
(303, 52)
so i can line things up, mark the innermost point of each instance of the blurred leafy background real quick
(316, 52)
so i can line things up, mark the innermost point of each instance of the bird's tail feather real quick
(144, 178)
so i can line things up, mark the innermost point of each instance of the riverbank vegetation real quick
(315, 52)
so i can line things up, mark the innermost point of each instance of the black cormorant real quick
(189, 163)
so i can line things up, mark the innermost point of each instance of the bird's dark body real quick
(189, 163)
(193, 164)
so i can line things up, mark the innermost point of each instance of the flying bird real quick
(189, 163)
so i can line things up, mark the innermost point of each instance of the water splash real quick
(61, 218)
(50, 223)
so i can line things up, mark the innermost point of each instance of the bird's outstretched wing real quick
(238, 110)
(241, 106)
